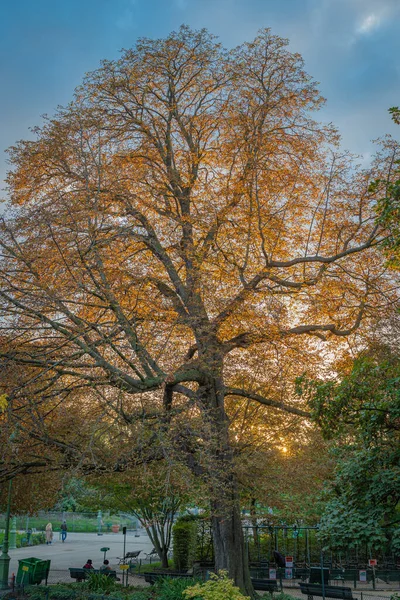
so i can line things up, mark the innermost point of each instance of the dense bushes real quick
(22, 540)
(184, 542)
(172, 589)
(218, 587)
(192, 541)
(73, 591)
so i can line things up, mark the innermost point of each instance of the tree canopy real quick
(362, 413)
(178, 233)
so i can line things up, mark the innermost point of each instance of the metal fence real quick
(359, 580)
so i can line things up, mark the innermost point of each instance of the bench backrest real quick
(79, 573)
(313, 589)
(268, 585)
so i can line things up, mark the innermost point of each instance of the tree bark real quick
(228, 539)
(157, 538)
(253, 516)
(164, 558)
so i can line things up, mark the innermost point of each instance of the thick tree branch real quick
(230, 391)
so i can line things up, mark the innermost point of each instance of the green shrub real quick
(21, 539)
(35, 592)
(277, 596)
(101, 596)
(75, 591)
(97, 582)
(184, 543)
(35, 595)
(61, 594)
(172, 589)
(145, 595)
(205, 549)
(38, 538)
(52, 592)
(218, 587)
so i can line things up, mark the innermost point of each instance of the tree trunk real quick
(228, 539)
(164, 557)
(229, 549)
(253, 515)
(157, 539)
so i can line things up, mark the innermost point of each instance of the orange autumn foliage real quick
(183, 221)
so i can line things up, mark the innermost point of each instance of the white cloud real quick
(369, 23)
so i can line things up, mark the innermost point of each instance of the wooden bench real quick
(330, 591)
(385, 575)
(265, 585)
(82, 574)
(301, 573)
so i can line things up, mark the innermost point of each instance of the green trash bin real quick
(32, 570)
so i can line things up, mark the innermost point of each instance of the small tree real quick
(154, 495)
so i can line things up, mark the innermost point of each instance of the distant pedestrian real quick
(64, 531)
(89, 564)
(49, 533)
(279, 559)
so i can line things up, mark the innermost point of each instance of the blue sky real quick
(352, 47)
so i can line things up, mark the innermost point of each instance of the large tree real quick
(178, 226)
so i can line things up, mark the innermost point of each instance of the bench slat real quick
(314, 589)
(268, 585)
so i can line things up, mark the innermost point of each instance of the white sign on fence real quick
(272, 573)
(288, 573)
(289, 561)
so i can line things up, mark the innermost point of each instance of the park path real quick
(78, 547)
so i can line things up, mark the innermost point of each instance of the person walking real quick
(49, 533)
(64, 529)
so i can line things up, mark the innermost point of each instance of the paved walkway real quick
(78, 547)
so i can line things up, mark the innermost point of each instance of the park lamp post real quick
(4, 557)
